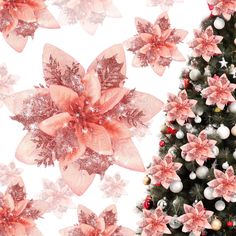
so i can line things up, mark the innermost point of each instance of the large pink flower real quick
(198, 149)
(90, 13)
(164, 170)
(179, 107)
(19, 19)
(223, 7)
(155, 44)
(83, 120)
(17, 214)
(219, 91)
(91, 225)
(155, 223)
(224, 184)
(195, 219)
(205, 44)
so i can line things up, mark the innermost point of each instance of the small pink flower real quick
(113, 186)
(198, 149)
(9, 173)
(155, 223)
(205, 44)
(155, 44)
(92, 225)
(224, 184)
(223, 7)
(20, 19)
(219, 91)
(179, 107)
(195, 219)
(164, 170)
(17, 214)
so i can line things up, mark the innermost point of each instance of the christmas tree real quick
(192, 182)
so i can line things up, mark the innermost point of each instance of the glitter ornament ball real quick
(202, 172)
(194, 74)
(208, 193)
(148, 203)
(216, 224)
(219, 23)
(223, 132)
(162, 143)
(146, 180)
(180, 134)
(176, 186)
(232, 107)
(175, 223)
(220, 205)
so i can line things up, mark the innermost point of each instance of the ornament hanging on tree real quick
(175, 223)
(219, 23)
(216, 224)
(194, 74)
(192, 175)
(198, 119)
(216, 150)
(162, 143)
(225, 165)
(223, 132)
(176, 186)
(146, 180)
(232, 107)
(180, 134)
(208, 193)
(202, 172)
(230, 224)
(233, 130)
(220, 205)
(234, 154)
(162, 203)
(148, 203)
(223, 63)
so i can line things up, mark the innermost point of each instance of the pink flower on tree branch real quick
(195, 219)
(223, 7)
(83, 120)
(92, 225)
(198, 149)
(20, 19)
(164, 170)
(155, 223)
(219, 91)
(17, 214)
(179, 107)
(224, 184)
(205, 44)
(155, 44)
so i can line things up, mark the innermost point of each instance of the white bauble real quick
(223, 132)
(194, 74)
(179, 134)
(202, 172)
(192, 175)
(210, 130)
(225, 165)
(234, 154)
(198, 119)
(216, 150)
(233, 199)
(176, 186)
(162, 203)
(208, 193)
(232, 107)
(188, 126)
(219, 23)
(233, 130)
(175, 223)
(220, 205)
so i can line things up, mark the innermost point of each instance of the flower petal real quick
(17, 42)
(46, 19)
(143, 26)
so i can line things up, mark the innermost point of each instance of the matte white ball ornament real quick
(220, 205)
(192, 176)
(208, 193)
(216, 150)
(225, 165)
(232, 107)
(194, 74)
(202, 172)
(219, 23)
(234, 154)
(233, 130)
(175, 223)
(176, 186)
(198, 119)
(223, 132)
(179, 134)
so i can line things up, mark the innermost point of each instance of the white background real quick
(72, 39)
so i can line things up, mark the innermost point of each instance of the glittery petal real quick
(46, 19)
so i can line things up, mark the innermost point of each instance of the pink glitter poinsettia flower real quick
(224, 184)
(90, 13)
(17, 214)
(83, 120)
(164, 170)
(155, 44)
(223, 7)
(20, 19)
(195, 219)
(219, 91)
(205, 44)
(199, 148)
(155, 223)
(179, 107)
(92, 225)
(165, 4)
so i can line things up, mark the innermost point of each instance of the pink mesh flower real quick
(20, 19)
(155, 44)
(205, 44)
(223, 7)
(113, 186)
(165, 4)
(164, 170)
(195, 219)
(199, 148)
(92, 225)
(83, 120)
(90, 13)
(179, 107)
(224, 184)
(17, 214)
(155, 223)
(9, 173)
(58, 197)
(219, 91)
